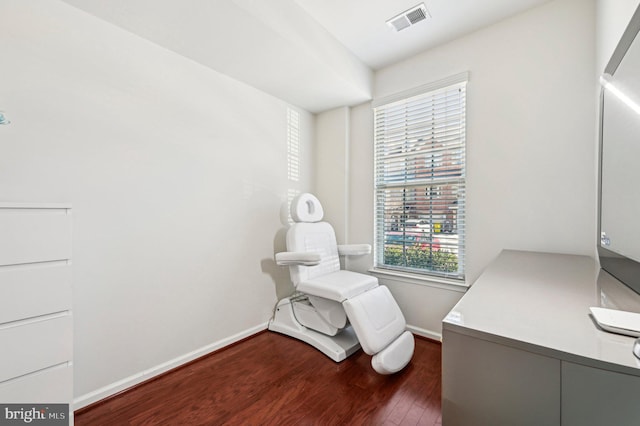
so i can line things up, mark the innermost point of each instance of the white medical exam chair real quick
(334, 310)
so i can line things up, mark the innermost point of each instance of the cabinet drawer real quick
(591, 396)
(35, 290)
(52, 385)
(34, 235)
(35, 344)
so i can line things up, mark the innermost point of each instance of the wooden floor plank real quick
(272, 379)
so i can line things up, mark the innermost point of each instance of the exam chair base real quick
(337, 347)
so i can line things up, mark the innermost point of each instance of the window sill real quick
(429, 281)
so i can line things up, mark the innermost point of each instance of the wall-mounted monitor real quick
(619, 188)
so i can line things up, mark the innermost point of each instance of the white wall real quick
(331, 164)
(530, 136)
(176, 175)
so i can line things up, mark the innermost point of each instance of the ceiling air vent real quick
(409, 17)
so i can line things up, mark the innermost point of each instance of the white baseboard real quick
(425, 333)
(120, 385)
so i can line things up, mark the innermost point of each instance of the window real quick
(420, 180)
(293, 157)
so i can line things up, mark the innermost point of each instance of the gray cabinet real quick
(520, 348)
(492, 384)
(592, 396)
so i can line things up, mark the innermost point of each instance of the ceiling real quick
(361, 24)
(316, 54)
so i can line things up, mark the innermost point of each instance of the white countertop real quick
(539, 302)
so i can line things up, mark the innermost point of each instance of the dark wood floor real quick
(271, 379)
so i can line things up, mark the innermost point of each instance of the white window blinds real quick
(420, 182)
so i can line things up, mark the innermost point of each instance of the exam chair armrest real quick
(354, 249)
(297, 258)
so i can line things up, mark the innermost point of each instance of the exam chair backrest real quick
(309, 234)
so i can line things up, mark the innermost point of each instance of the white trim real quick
(429, 281)
(127, 382)
(425, 333)
(449, 81)
(20, 206)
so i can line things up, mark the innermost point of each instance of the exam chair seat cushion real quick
(339, 285)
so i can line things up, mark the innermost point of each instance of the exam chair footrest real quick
(396, 356)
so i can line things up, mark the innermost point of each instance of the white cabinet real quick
(36, 326)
